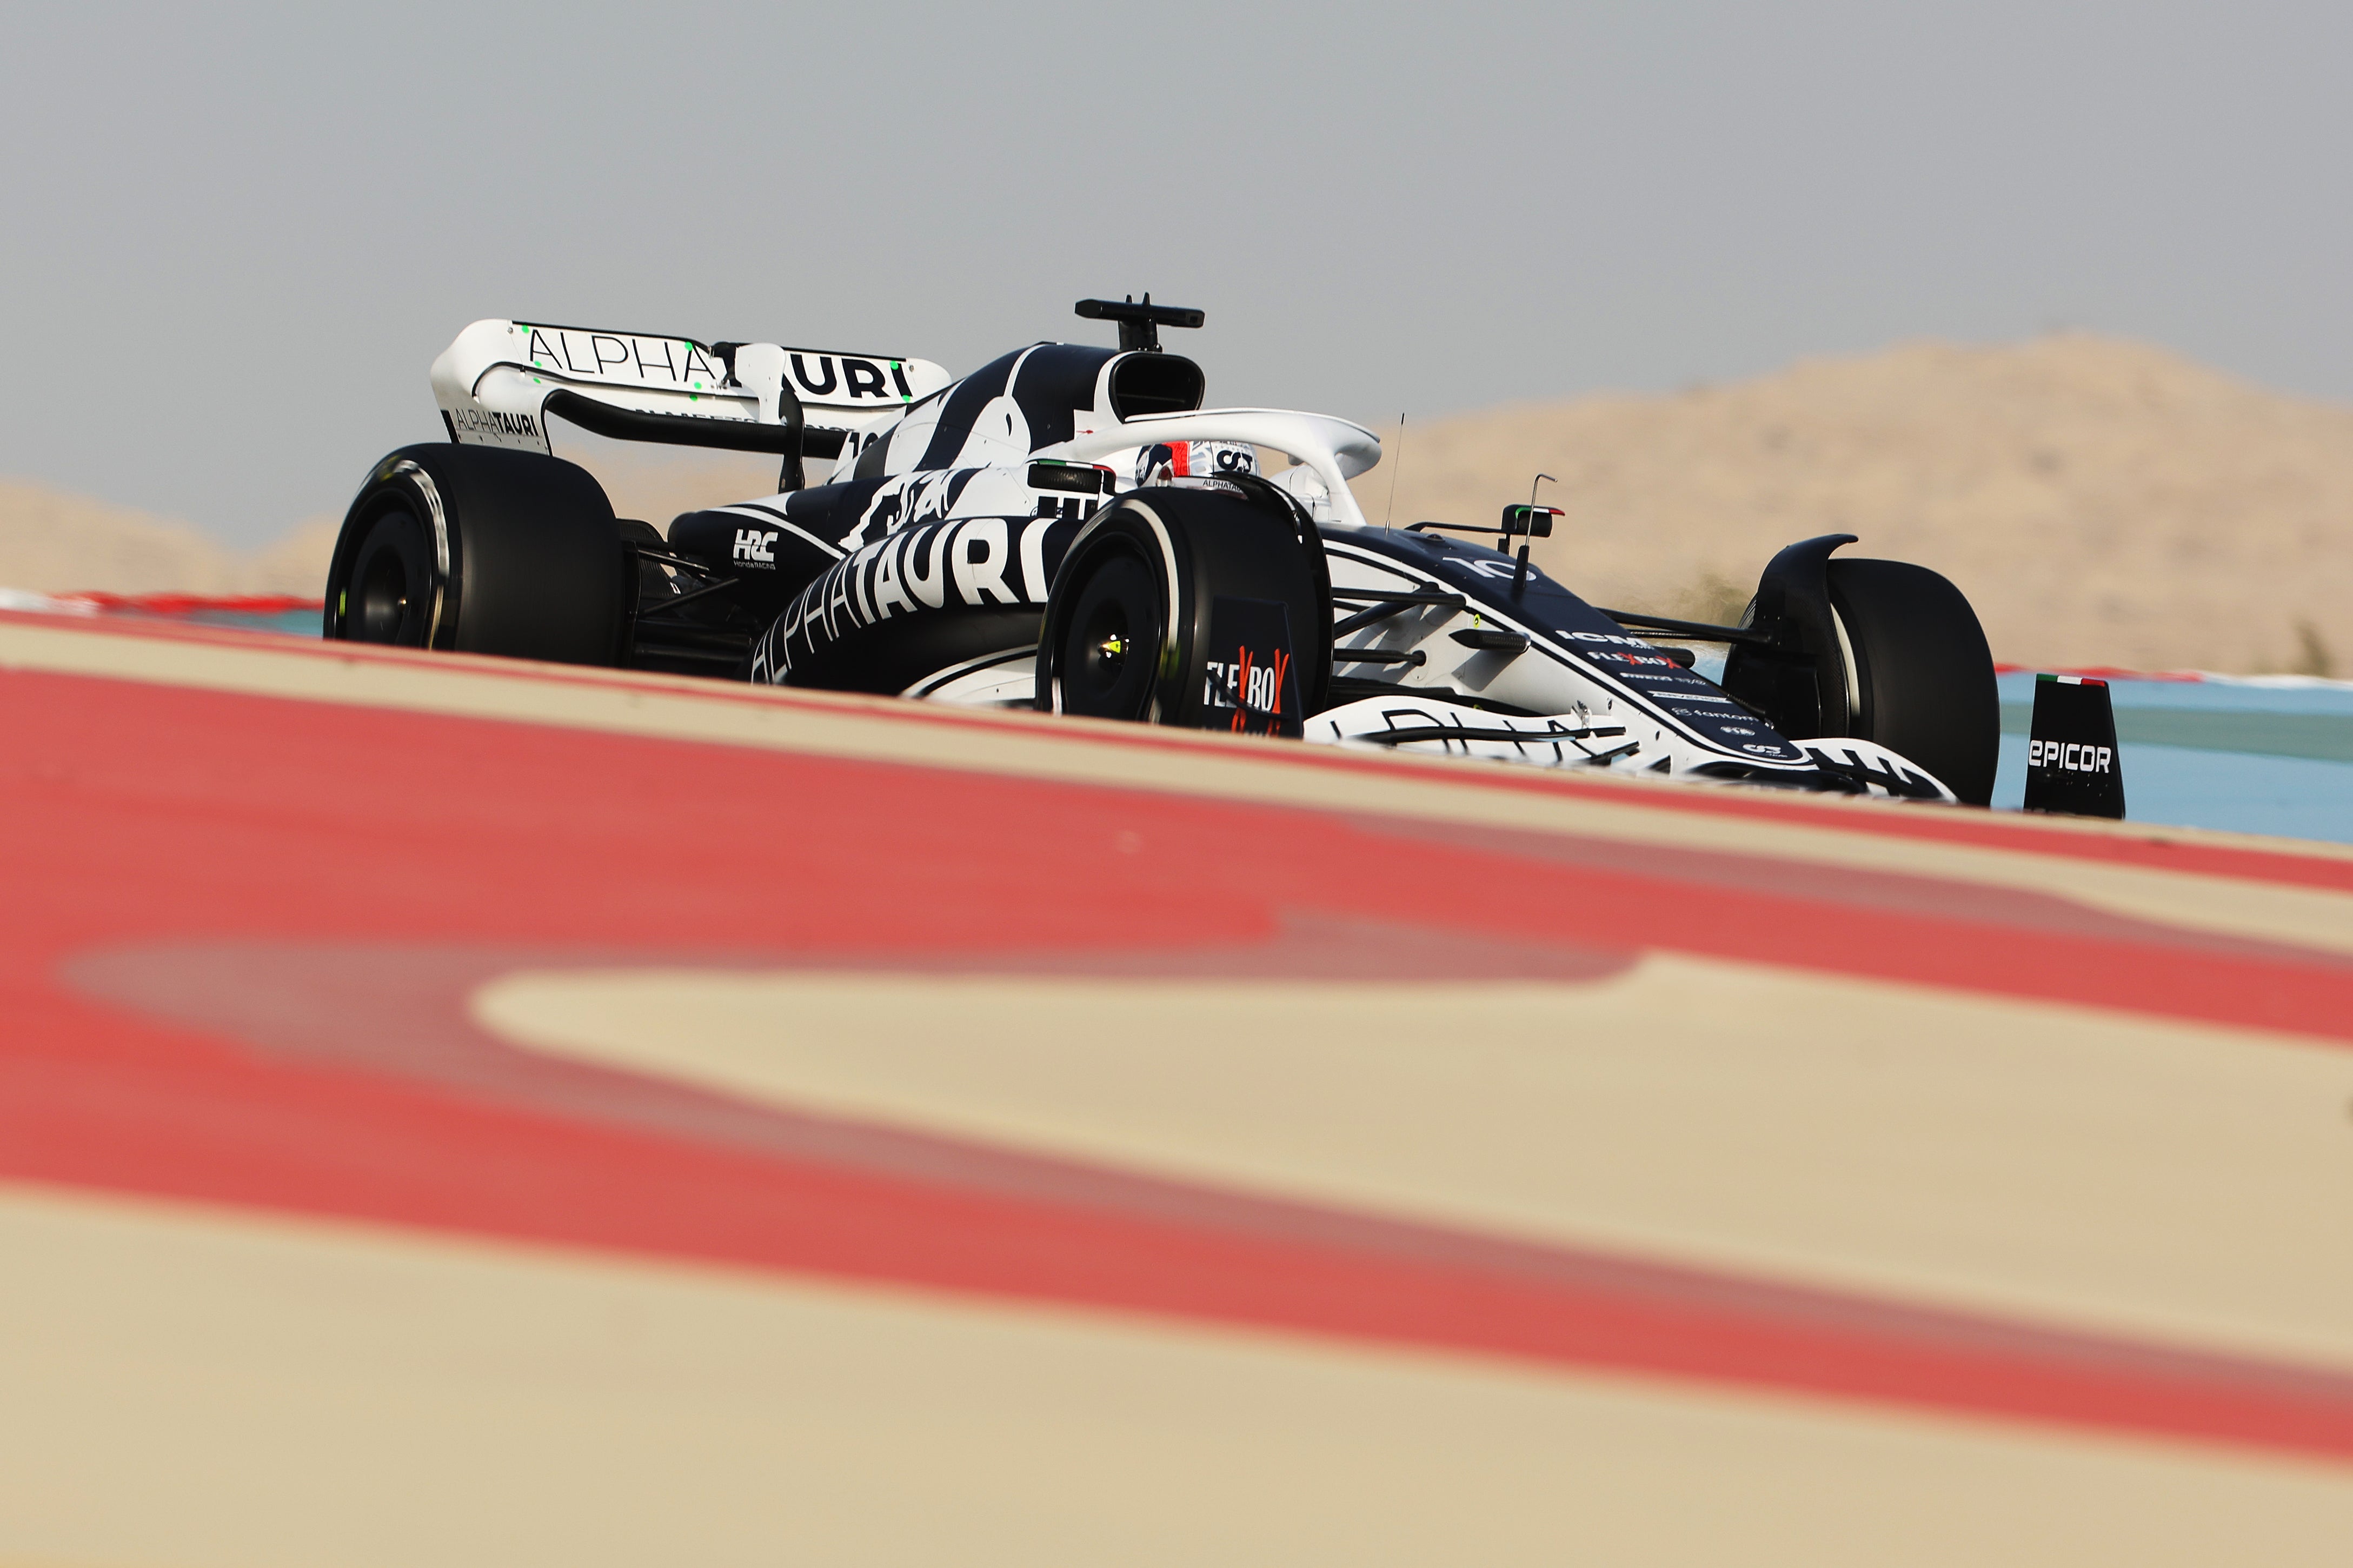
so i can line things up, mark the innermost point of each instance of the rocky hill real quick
(56, 542)
(2102, 501)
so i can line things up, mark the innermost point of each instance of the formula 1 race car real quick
(1068, 529)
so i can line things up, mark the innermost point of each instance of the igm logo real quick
(2068, 756)
(757, 545)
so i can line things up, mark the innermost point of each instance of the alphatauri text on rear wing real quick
(500, 381)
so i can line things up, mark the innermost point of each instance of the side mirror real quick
(1536, 522)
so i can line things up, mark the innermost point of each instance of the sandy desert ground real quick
(2102, 501)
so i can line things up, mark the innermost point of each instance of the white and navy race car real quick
(1068, 528)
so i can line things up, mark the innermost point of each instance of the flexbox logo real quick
(1256, 682)
(1256, 693)
(756, 545)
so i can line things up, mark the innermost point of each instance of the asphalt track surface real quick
(458, 1111)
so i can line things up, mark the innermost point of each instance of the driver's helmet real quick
(1173, 461)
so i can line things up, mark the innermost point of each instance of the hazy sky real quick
(233, 239)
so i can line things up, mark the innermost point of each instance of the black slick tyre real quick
(1148, 588)
(479, 549)
(1921, 677)
(1107, 647)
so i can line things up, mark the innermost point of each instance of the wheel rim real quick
(1109, 655)
(389, 597)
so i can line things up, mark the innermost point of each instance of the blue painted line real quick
(2292, 798)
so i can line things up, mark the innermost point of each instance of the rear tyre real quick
(1921, 681)
(1149, 588)
(479, 550)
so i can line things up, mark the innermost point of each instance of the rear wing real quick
(501, 381)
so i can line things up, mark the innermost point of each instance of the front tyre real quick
(1921, 677)
(1200, 607)
(1113, 635)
